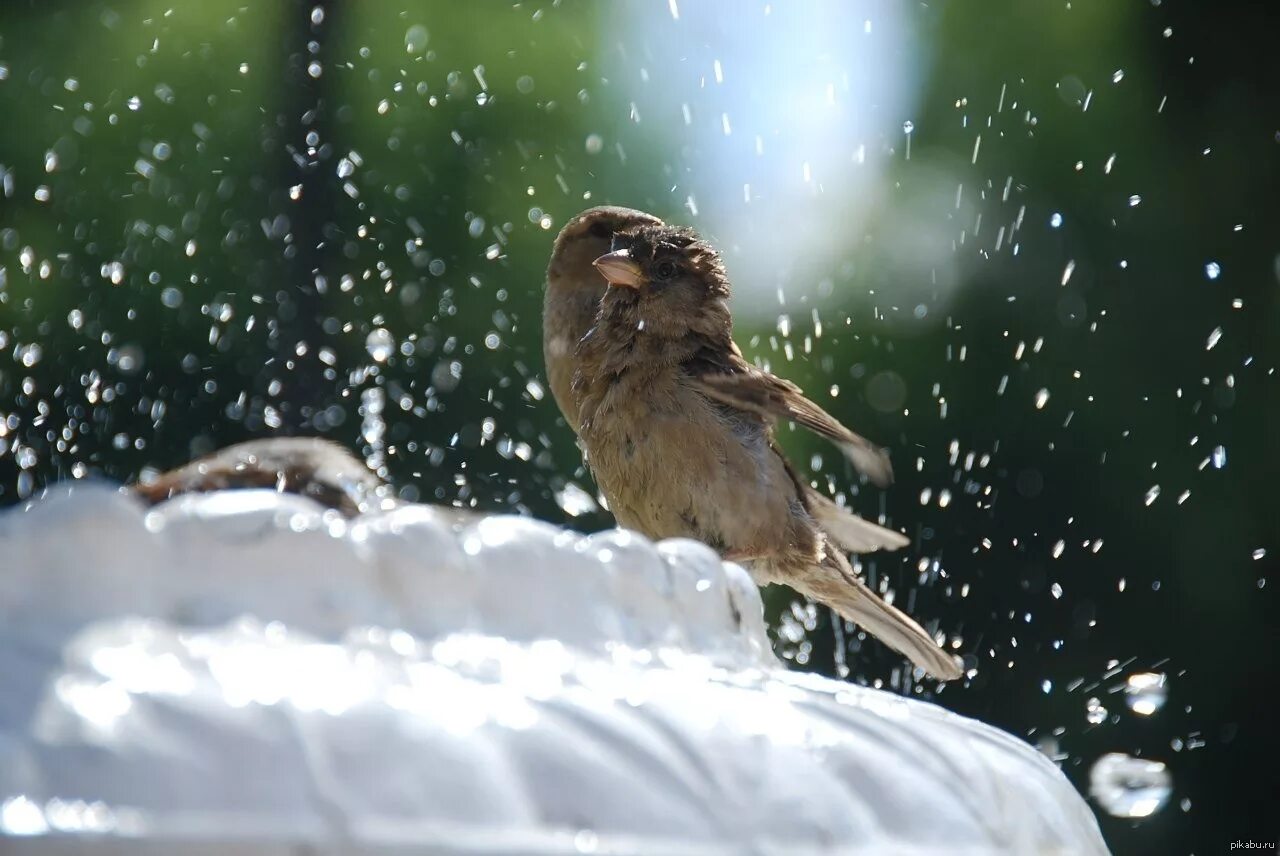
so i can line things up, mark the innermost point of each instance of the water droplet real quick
(346, 168)
(129, 359)
(908, 126)
(1055, 220)
(595, 144)
(1135, 200)
(1213, 339)
(1094, 712)
(1145, 692)
(29, 355)
(1213, 270)
(1067, 271)
(380, 344)
(1153, 493)
(1260, 553)
(1042, 398)
(1129, 787)
(415, 39)
(574, 501)
(446, 375)
(1219, 457)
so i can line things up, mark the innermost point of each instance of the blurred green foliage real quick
(199, 229)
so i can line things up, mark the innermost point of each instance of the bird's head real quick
(671, 277)
(584, 239)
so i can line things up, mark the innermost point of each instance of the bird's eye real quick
(665, 270)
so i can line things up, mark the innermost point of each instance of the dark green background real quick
(1196, 604)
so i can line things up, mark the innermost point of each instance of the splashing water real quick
(380, 344)
(1145, 693)
(1129, 787)
(575, 501)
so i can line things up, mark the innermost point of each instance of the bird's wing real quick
(853, 533)
(725, 376)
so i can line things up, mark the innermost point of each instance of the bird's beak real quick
(619, 269)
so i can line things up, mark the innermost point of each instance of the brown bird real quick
(678, 431)
(570, 303)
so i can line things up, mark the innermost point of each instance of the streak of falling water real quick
(841, 655)
(372, 426)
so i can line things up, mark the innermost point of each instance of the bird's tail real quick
(835, 584)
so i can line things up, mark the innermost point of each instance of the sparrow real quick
(678, 429)
(570, 303)
(322, 470)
